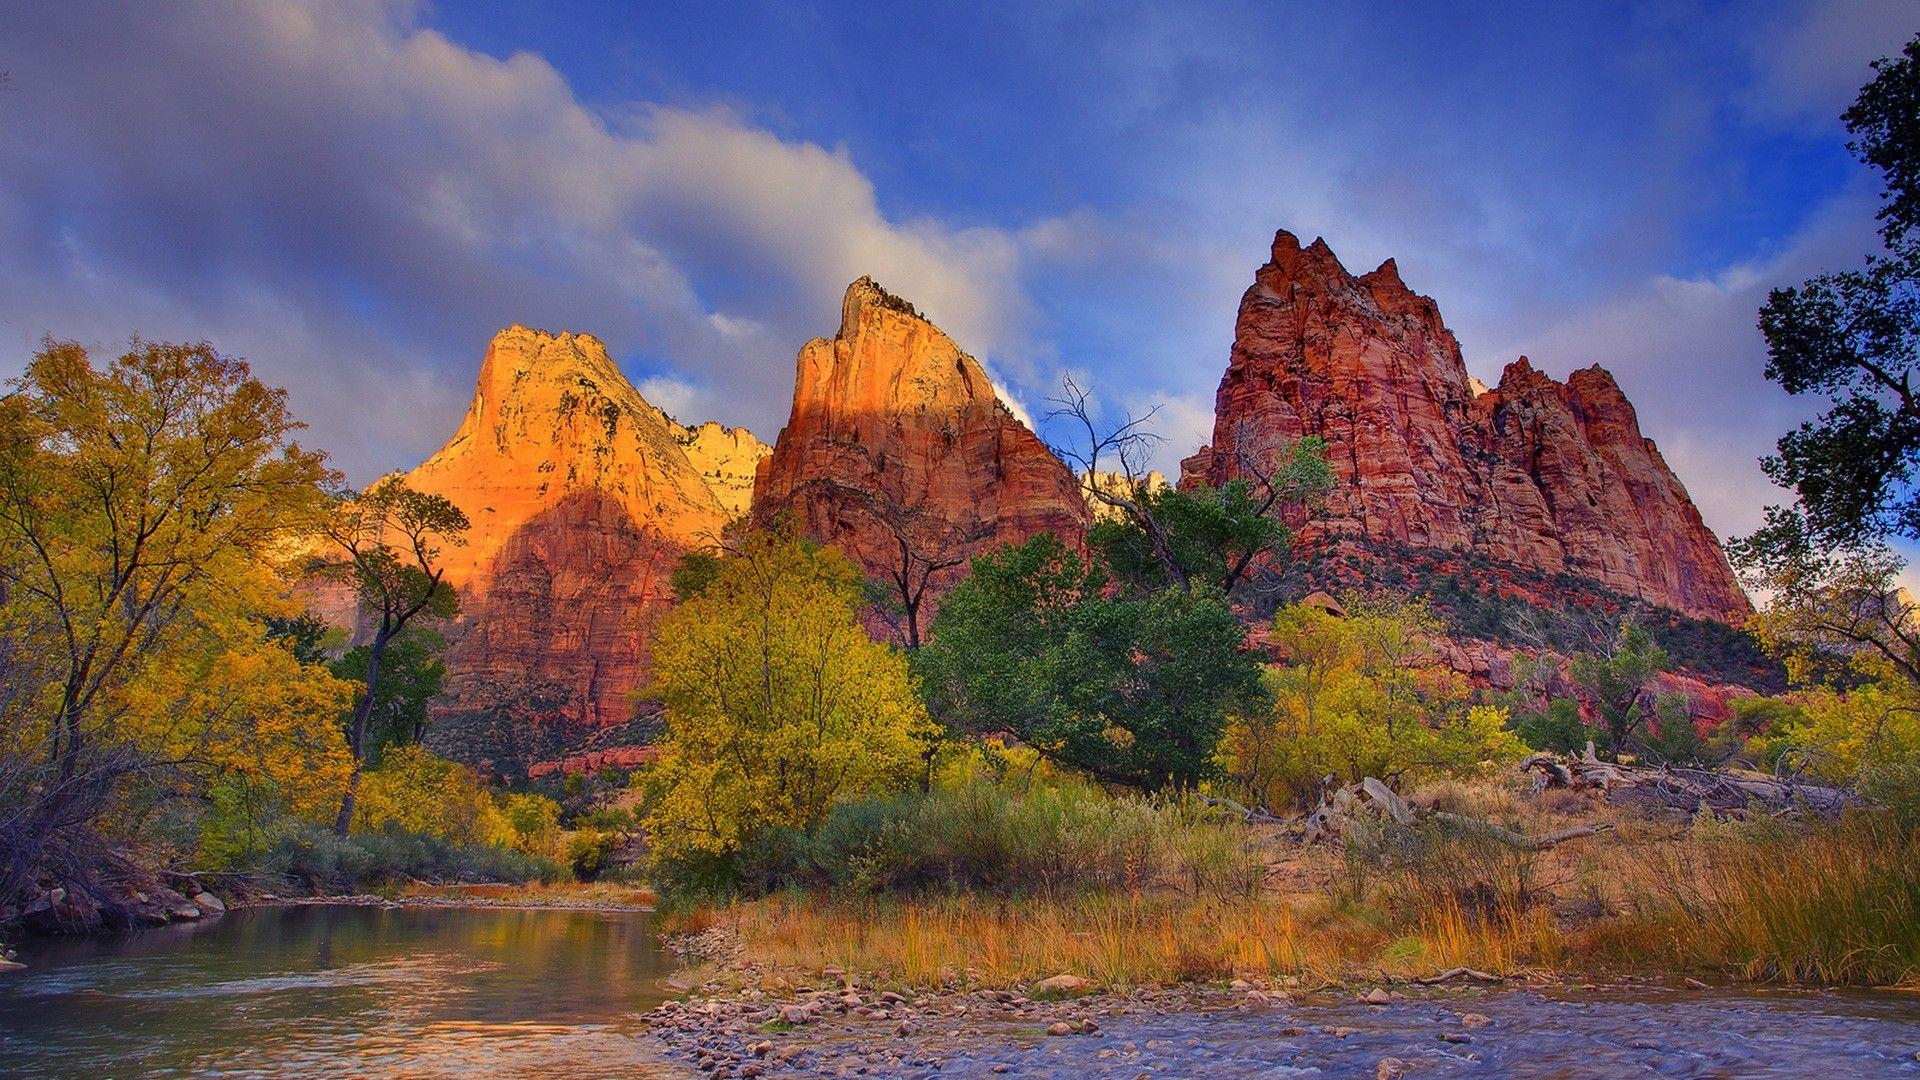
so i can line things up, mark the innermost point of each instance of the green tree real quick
(1134, 689)
(387, 541)
(1207, 535)
(411, 676)
(1157, 537)
(1853, 339)
(1619, 681)
(777, 704)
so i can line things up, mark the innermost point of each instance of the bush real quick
(999, 837)
(1360, 695)
(324, 863)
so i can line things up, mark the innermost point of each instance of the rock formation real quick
(1542, 475)
(582, 496)
(899, 451)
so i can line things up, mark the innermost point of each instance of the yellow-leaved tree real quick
(778, 704)
(1356, 694)
(136, 500)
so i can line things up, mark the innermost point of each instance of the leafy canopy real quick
(1360, 694)
(777, 704)
(1173, 537)
(1853, 339)
(1133, 688)
(142, 506)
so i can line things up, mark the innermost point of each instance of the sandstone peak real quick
(895, 430)
(1534, 473)
(582, 496)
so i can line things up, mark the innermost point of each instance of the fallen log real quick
(1722, 792)
(1339, 806)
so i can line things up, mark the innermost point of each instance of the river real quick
(450, 992)
(341, 991)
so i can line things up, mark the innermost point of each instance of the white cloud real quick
(357, 202)
(1811, 59)
(1688, 353)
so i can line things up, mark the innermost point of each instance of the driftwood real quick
(1728, 793)
(1458, 973)
(1338, 806)
(1253, 817)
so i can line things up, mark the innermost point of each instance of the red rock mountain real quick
(897, 449)
(1534, 473)
(582, 497)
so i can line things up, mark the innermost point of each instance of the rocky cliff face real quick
(582, 496)
(899, 452)
(1546, 476)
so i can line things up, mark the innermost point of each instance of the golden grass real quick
(1820, 904)
(1123, 941)
(1833, 906)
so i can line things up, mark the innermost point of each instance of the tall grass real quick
(1123, 941)
(1834, 905)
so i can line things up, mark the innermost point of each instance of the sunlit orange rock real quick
(897, 434)
(1536, 473)
(582, 497)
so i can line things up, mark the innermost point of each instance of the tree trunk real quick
(357, 734)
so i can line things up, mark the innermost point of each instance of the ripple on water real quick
(341, 992)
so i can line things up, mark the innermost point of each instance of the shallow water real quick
(341, 991)
(1621, 1032)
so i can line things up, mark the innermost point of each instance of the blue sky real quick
(356, 196)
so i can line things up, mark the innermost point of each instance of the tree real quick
(131, 499)
(411, 676)
(1355, 695)
(1134, 689)
(777, 704)
(1618, 681)
(1837, 612)
(1853, 338)
(1161, 537)
(387, 540)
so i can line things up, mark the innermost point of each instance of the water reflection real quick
(339, 991)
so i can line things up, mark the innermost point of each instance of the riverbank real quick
(844, 1025)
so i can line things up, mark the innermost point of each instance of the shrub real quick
(1005, 838)
(1360, 695)
(320, 861)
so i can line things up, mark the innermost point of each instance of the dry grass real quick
(1838, 905)
(1827, 905)
(1121, 941)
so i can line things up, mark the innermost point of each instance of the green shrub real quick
(313, 857)
(1002, 838)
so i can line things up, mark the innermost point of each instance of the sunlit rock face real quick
(1538, 474)
(582, 497)
(896, 435)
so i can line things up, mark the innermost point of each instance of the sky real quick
(355, 196)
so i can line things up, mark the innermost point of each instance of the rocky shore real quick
(58, 909)
(749, 1022)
